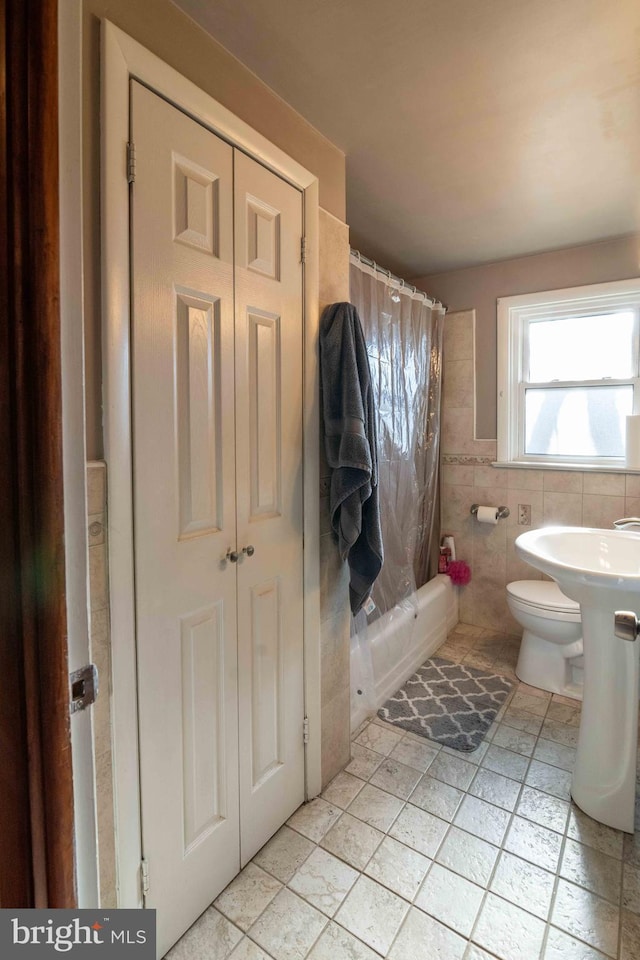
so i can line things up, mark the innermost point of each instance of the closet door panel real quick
(184, 509)
(269, 330)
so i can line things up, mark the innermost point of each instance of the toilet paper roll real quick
(487, 514)
(632, 448)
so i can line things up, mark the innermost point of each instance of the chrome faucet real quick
(627, 523)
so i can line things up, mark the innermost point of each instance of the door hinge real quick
(144, 876)
(131, 161)
(305, 730)
(83, 686)
(303, 249)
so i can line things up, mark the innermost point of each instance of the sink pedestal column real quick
(604, 778)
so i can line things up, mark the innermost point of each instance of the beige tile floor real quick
(416, 852)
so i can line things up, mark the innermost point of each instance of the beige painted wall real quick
(163, 29)
(478, 288)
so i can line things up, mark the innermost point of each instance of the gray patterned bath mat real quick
(448, 702)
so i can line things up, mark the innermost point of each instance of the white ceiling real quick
(474, 130)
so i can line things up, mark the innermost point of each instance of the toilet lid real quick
(543, 593)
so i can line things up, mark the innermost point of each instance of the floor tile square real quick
(288, 928)
(342, 790)
(524, 884)
(423, 938)
(419, 830)
(414, 754)
(364, 762)
(631, 848)
(592, 870)
(543, 809)
(519, 741)
(324, 881)
(630, 946)
(482, 819)
(336, 943)
(375, 807)
(396, 778)
(450, 898)
(560, 946)
(529, 691)
(586, 917)
(437, 797)
(507, 931)
(568, 712)
(352, 841)
(211, 937)
(284, 853)
(248, 950)
(455, 771)
(521, 720)
(535, 705)
(496, 789)
(476, 953)
(594, 834)
(534, 843)
(563, 733)
(469, 856)
(474, 757)
(631, 888)
(549, 779)
(555, 754)
(313, 819)
(509, 764)
(398, 867)
(247, 895)
(378, 738)
(373, 914)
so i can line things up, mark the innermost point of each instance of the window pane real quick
(581, 348)
(577, 421)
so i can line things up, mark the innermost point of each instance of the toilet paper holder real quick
(503, 512)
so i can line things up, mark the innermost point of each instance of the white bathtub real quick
(398, 643)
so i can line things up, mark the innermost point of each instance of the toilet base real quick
(542, 664)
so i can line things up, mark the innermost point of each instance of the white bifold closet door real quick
(216, 374)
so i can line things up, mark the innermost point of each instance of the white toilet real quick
(551, 649)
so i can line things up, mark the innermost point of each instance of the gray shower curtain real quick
(403, 331)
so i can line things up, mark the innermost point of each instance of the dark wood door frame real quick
(36, 786)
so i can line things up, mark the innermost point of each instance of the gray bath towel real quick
(351, 447)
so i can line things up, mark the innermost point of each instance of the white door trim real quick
(123, 58)
(73, 435)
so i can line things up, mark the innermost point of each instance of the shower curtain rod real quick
(392, 276)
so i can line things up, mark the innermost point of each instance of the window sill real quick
(582, 467)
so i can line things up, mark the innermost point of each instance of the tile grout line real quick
(501, 720)
(410, 903)
(451, 825)
(556, 874)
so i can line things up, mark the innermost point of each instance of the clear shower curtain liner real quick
(403, 332)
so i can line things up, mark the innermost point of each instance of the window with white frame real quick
(568, 374)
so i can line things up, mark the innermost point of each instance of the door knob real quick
(626, 625)
(232, 555)
(250, 550)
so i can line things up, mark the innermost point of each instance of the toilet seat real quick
(545, 599)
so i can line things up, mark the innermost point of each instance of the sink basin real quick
(608, 559)
(600, 569)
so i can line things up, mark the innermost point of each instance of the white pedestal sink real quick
(601, 570)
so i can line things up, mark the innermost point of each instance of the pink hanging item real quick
(460, 572)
